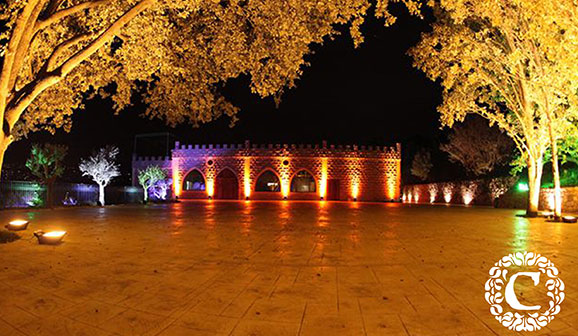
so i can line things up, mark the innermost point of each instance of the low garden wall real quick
(569, 199)
(478, 192)
(499, 192)
(23, 194)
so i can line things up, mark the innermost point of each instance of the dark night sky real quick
(370, 95)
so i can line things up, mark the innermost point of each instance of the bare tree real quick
(421, 164)
(478, 147)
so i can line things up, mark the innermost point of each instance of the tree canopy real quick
(176, 53)
(512, 62)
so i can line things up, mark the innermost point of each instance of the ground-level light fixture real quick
(547, 214)
(17, 225)
(50, 237)
(523, 186)
(569, 219)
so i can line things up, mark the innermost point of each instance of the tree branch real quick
(17, 106)
(50, 62)
(66, 12)
(7, 64)
(23, 46)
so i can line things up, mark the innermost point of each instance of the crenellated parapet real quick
(286, 150)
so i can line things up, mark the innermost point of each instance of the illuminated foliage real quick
(177, 53)
(148, 177)
(45, 162)
(513, 63)
(102, 168)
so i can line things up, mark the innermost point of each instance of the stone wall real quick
(363, 173)
(500, 193)
(569, 199)
(472, 192)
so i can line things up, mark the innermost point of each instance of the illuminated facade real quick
(276, 172)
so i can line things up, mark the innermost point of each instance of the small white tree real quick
(148, 177)
(102, 168)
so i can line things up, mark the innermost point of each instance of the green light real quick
(523, 186)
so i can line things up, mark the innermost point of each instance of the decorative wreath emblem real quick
(524, 320)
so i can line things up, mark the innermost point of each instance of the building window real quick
(303, 182)
(194, 181)
(268, 181)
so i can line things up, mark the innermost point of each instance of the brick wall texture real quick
(364, 173)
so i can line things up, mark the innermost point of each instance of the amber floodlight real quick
(17, 225)
(50, 238)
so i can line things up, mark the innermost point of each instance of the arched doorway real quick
(303, 182)
(268, 182)
(226, 186)
(194, 181)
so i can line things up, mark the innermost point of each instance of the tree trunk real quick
(101, 194)
(146, 193)
(556, 176)
(2, 151)
(49, 194)
(5, 141)
(534, 180)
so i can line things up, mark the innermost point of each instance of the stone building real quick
(276, 172)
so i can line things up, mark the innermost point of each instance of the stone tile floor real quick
(271, 268)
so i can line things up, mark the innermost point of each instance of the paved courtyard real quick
(271, 268)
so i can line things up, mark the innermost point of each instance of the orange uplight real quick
(468, 198)
(447, 196)
(355, 191)
(176, 179)
(247, 177)
(210, 187)
(393, 179)
(323, 180)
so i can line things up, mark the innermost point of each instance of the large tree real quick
(513, 63)
(176, 53)
(101, 166)
(478, 147)
(46, 164)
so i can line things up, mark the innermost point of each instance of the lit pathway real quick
(266, 268)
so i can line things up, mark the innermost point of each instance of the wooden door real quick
(333, 189)
(227, 186)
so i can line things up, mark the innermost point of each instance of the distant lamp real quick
(523, 186)
(50, 237)
(569, 219)
(17, 225)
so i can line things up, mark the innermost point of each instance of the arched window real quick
(303, 182)
(268, 181)
(194, 181)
